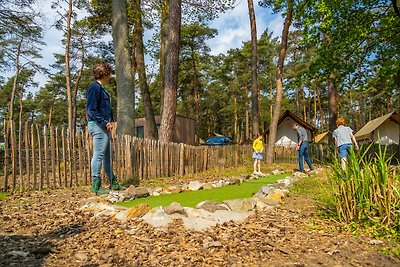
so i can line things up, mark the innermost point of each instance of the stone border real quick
(205, 215)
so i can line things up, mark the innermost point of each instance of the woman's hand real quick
(109, 127)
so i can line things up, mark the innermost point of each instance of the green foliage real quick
(368, 191)
(191, 199)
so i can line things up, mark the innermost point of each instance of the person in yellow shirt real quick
(258, 148)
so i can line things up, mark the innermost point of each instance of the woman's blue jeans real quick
(101, 151)
(303, 153)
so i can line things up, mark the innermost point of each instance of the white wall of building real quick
(286, 136)
(387, 133)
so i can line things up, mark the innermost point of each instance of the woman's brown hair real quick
(101, 70)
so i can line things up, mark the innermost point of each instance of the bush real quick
(367, 192)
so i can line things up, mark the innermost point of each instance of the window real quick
(140, 132)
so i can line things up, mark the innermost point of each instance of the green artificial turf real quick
(192, 198)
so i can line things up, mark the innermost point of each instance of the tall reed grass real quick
(368, 191)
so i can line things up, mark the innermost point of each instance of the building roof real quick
(297, 119)
(320, 136)
(372, 125)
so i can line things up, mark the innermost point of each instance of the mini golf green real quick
(192, 198)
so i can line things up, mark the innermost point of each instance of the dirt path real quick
(46, 229)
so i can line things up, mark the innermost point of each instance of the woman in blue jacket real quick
(98, 109)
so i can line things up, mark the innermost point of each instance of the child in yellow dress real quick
(258, 148)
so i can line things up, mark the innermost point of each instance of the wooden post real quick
(33, 143)
(6, 135)
(40, 157)
(13, 156)
(63, 138)
(46, 155)
(53, 156)
(27, 150)
(58, 169)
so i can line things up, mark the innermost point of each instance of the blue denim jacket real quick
(98, 104)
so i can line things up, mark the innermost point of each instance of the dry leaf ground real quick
(47, 229)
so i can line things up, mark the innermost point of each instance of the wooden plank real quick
(40, 159)
(46, 155)
(64, 155)
(53, 156)
(27, 161)
(88, 157)
(33, 144)
(20, 141)
(6, 140)
(13, 156)
(58, 169)
(69, 148)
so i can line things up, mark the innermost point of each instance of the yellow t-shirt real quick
(258, 145)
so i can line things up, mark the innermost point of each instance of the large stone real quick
(234, 181)
(157, 218)
(211, 206)
(137, 211)
(174, 208)
(240, 205)
(266, 189)
(207, 186)
(195, 185)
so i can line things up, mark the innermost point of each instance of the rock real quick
(240, 205)
(137, 211)
(195, 185)
(376, 242)
(157, 218)
(18, 253)
(211, 206)
(267, 189)
(218, 184)
(132, 213)
(174, 189)
(43, 250)
(82, 256)
(277, 171)
(174, 208)
(211, 244)
(234, 181)
(207, 186)
(141, 192)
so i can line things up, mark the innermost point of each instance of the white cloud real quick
(234, 26)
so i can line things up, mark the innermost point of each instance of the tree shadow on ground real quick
(19, 250)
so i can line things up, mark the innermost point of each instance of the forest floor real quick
(47, 229)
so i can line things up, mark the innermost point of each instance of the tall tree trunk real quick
(151, 130)
(270, 101)
(196, 91)
(15, 82)
(321, 112)
(254, 81)
(281, 59)
(235, 120)
(361, 110)
(315, 102)
(171, 73)
(304, 102)
(77, 82)
(247, 130)
(333, 104)
(70, 92)
(163, 48)
(125, 89)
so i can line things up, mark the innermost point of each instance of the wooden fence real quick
(38, 157)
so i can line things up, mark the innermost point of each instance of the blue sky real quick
(233, 29)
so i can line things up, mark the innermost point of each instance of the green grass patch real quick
(3, 195)
(192, 198)
(318, 188)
